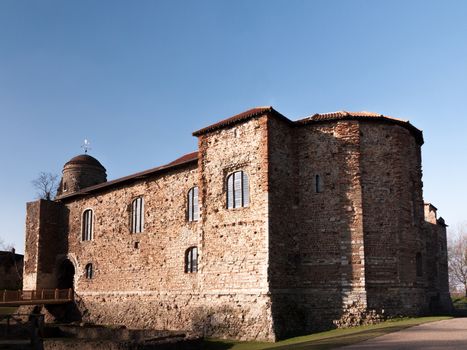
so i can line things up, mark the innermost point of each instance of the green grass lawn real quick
(324, 340)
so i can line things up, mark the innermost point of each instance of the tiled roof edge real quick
(242, 117)
(178, 163)
(364, 116)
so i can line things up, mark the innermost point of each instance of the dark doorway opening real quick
(66, 275)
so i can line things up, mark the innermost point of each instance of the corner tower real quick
(80, 172)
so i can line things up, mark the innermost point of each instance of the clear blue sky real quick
(137, 77)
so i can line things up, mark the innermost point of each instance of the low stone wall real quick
(84, 344)
(115, 338)
(239, 316)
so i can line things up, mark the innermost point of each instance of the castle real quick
(271, 228)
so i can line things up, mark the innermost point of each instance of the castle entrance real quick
(66, 275)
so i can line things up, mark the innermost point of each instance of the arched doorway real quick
(66, 275)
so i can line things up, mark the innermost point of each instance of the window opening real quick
(419, 263)
(238, 191)
(318, 184)
(193, 205)
(87, 225)
(88, 271)
(191, 260)
(137, 215)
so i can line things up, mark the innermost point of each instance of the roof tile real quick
(185, 159)
(253, 112)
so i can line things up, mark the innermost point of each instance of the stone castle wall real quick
(355, 240)
(393, 218)
(436, 267)
(147, 286)
(45, 232)
(120, 258)
(290, 262)
(315, 236)
(235, 241)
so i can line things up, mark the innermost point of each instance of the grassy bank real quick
(324, 340)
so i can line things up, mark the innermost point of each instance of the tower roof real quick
(315, 118)
(364, 116)
(84, 159)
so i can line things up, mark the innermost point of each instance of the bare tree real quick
(457, 258)
(46, 185)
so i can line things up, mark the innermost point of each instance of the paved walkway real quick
(446, 335)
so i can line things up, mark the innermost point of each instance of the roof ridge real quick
(186, 158)
(237, 118)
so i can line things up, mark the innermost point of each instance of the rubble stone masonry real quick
(335, 219)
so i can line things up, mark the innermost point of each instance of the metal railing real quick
(32, 297)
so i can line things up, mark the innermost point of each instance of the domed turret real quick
(80, 172)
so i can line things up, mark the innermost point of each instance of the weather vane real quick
(86, 145)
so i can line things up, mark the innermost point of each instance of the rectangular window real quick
(318, 184)
(87, 225)
(137, 215)
(419, 264)
(193, 206)
(238, 190)
(191, 260)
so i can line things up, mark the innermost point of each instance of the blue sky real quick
(137, 77)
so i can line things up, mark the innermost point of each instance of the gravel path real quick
(446, 335)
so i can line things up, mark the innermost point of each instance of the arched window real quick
(419, 264)
(137, 215)
(87, 225)
(193, 207)
(318, 184)
(88, 271)
(191, 260)
(238, 192)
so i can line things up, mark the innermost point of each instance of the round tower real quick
(80, 172)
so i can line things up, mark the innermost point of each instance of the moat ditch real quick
(93, 337)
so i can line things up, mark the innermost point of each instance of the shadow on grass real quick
(217, 345)
(321, 344)
(331, 342)
(338, 341)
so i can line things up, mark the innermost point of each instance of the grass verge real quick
(324, 340)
